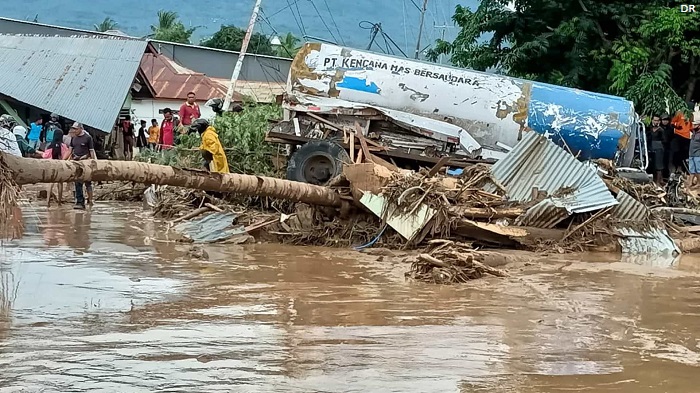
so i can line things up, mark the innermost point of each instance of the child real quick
(56, 150)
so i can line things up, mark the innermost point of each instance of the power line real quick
(333, 20)
(296, 4)
(289, 5)
(266, 19)
(323, 20)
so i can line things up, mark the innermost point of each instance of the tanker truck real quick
(413, 113)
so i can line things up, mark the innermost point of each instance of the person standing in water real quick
(56, 151)
(82, 148)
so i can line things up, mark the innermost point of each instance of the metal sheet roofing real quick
(260, 92)
(630, 209)
(536, 162)
(85, 79)
(654, 241)
(172, 81)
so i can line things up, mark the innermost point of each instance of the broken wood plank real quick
(434, 170)
(213, 207)
(363, 142)
(694, 228)
(432, 260)
(386, 164)
(487, 213)
(191, 214)
(352, 147)
(359, 157)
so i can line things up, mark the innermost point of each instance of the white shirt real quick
(8, 143)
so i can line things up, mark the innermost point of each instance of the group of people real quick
(50, 141)
(161, 136)
(673, 142)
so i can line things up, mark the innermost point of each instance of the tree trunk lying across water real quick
(31, 171)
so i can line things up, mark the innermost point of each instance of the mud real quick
(102, 301)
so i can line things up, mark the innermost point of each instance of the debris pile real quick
(447, 262)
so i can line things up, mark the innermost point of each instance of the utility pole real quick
(420, 28)
(241, 55)
(443, 27)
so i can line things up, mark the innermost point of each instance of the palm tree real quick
(166, 21)
(106, 25)
(289, 46)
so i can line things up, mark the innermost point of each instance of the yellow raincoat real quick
(211, 143)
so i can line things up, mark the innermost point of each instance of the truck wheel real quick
(317, 162)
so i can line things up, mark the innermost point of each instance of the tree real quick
(106, 25)
(612, 47)
(289, 46)
(171, 29)
(230, 37)
(29, 171)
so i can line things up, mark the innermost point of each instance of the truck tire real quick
(317, 162)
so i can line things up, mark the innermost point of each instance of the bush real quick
(243, 137)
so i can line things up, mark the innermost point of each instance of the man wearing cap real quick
(82, 148)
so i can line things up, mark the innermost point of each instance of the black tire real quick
(317, 162)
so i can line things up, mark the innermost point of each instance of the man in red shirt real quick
(189, 111)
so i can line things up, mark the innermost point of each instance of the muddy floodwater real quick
(96, 301)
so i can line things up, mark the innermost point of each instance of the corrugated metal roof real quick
(536, 162)
(543, 215)
(654, 241)
(211, 228)
(85, 79)
(173, 81)
(630, 209)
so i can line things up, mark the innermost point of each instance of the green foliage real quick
(647, 51)
(106, 25)
(171, 29)
(243, 137)
(230, 37)
(289, 46)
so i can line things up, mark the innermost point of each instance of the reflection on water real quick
(91, 302)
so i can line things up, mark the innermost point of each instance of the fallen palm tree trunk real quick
(31, 171)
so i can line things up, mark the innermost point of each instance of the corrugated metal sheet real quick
(654, 241)
(172, 81)
(543, 215)
(630, 209)
(211, 228)
(85, 79)
(536, 162)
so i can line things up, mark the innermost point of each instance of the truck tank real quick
(492, 108)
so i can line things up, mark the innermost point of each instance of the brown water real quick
(90, 302)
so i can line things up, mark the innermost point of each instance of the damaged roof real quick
(85, 79)
(172, 81)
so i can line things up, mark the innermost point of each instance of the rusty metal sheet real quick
(85, 79)
(172, 81)
(536, 162)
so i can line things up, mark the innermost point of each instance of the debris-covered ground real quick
(449, 221)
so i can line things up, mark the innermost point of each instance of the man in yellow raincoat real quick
(211, 148)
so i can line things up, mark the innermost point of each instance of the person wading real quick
(56, 150)
(211, 148)
(189, 111)
(82, 148)
(167, 130)
(657, 140)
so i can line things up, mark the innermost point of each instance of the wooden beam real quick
(442, 162)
